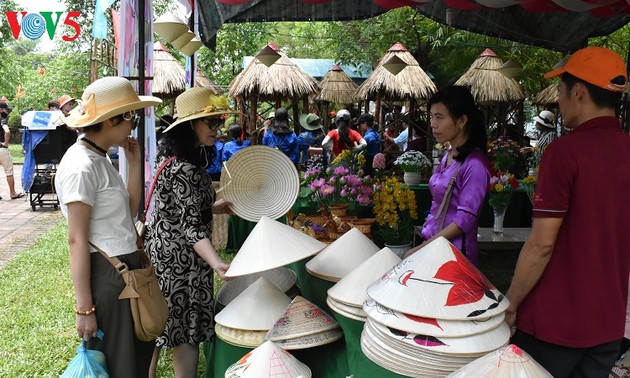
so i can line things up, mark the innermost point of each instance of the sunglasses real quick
(132, 116)
(212, 123)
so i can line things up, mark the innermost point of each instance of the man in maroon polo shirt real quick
(570, 287)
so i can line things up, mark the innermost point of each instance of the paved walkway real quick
(20, 226)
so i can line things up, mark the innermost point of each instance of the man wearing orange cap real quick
(569, 290)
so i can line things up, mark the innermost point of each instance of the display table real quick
(512, 238)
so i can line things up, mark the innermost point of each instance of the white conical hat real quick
(481, 343)
(342, 256)
(268, 361)
(509, 361)
(301, 318)
(311, 341)
(238, 337)
(283, 278)
(438, 282)
(257, 308)
(169, 27)
(352, 288)
(429, 326)
(272, 244)
(349, 312)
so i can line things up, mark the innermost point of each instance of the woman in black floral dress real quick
(179, 232)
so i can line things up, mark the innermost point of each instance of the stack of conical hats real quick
(235, 323)
(283, 278)
(347, 296)
(509, 361)
(433, 313)
(342, 256)
(304, 325)
(268, 360)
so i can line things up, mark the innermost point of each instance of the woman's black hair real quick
(343, 128)
(280, 124)
(236, 132)
(459, 102)
(181, 142)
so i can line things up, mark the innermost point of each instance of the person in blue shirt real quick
(279, 135)
(310, 141)
(214, 166)
(373, 140)
(236, 143)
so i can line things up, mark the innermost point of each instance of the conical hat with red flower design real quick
(438, 282)
(342, 256)
(429, 326)
(509, 361)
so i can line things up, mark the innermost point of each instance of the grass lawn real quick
(37, 329)
(16, 153)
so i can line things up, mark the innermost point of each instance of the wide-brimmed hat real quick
(64, 100)
(105, 98)
(199, 102)
(260, 181)
(547, 119)
(599, 66)
(310, 122)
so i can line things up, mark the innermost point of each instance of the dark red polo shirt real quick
(584, 177)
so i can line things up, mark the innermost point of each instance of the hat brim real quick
(199, 115)
(311, 127)
(61, 104)
(555, 73)
(145, 101)
(542, 122)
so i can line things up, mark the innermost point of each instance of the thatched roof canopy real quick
(411, 82)
(283, 80)
(201, 80)
(169, 77)
(488, 85)
(548, 96)
(337, 87)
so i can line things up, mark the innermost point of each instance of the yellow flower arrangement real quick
(395, 210)
(529, 184)
(217, 103)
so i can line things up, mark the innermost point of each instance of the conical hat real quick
(268, 360)
(257, 308)
(239, 337)
(272, 244)
(352, 288)
(509, 361)
(438, 282)
(283, 278)
(311, 341)
(350, 312)
(428, 326)
(475, 344)
(342, 256)
(301, 318)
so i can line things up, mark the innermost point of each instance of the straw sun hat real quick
(105, 98)
(199, 102)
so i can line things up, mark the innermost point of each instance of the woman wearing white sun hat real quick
(99, 211)
(180, 228)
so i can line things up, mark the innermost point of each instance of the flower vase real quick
(339, 210)
(399, 249)
(412, 178)
(499, 216)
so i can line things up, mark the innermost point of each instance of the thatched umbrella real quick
(497, 94)
(548, 96)
(337, 87)
(201, 80)
(283, 80)
(169, 77)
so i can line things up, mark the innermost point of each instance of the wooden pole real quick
(252, 110)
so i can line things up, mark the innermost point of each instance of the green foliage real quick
(15, 121)
(17, 154)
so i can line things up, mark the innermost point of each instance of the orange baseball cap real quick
(595, 65)
(64, 100)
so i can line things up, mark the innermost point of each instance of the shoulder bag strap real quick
(143, 216)
(120, 266)
(443, 209)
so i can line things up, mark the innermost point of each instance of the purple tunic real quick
(466, 201)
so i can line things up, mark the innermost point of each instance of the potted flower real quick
(500, 189)
(413, 163)
(529, 184)
(395, 211)
(503, 153)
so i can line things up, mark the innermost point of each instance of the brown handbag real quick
(149, 309)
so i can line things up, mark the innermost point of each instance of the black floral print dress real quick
(181, 216)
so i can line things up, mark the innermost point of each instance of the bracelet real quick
(86, 312)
